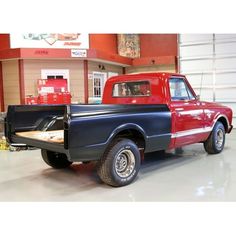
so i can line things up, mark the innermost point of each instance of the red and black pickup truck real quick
(140, 113)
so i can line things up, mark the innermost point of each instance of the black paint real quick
(89, 129)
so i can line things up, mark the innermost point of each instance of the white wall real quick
(209, 62)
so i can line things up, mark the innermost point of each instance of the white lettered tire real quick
(120, 163)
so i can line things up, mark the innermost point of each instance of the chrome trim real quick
(124, 163)
(191, 132)
(200, 130)
(191, 112)
(219, 138)
(218, 117)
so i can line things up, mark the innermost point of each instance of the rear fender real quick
(124, 127)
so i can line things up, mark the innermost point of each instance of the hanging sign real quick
(49, 40)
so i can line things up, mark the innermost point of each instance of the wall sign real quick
(49, 40)
(129, 45)
(78, 53)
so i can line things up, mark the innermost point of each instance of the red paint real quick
(32, 100)
(54, 98)
(157, 97)
(41, 53)
(10, 53)
(192, 120)
(4, 41)
(86, 81)
(92, 53)
(28, 53)
(161, 48)
(163, 60)
(104, 42)
(1, 89)
(55, 85)
(154, 45)
(21, 81)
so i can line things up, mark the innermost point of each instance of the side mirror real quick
(198, 97)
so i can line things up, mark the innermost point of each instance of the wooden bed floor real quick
(54, 136)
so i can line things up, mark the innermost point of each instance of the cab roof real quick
(152, 75)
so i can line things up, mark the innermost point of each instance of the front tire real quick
(216, 141)
(120, 163)
(55, 160)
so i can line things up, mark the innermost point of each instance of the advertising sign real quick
(129, 45)
(78, 53)
(49, 40)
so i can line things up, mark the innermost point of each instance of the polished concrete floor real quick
(187, 175)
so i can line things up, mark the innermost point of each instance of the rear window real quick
(132, 89)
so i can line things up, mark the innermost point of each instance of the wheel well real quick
(134, 135)
(224, 122)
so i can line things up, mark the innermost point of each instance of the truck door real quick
(187, 113)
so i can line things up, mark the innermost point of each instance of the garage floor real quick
(191, 175)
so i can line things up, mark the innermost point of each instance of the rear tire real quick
(216, 141)
(55, 160)
(120, 163)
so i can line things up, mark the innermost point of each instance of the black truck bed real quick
(83, 132)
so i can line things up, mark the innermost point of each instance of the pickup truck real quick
(140, 113)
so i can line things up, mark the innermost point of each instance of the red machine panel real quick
(46, 86)
(51, 91)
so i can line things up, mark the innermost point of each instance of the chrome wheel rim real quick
(219, 138)
(124, 163)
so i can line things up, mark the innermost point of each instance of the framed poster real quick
(129, 45)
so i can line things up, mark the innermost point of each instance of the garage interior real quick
(185, 174)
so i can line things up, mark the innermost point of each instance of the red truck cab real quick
(192, 120)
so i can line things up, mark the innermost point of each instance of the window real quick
(97, 87)
(99, 79)
(179, 90)
(132, 89)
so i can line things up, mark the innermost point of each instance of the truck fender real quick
(223, 119)
(124, 127)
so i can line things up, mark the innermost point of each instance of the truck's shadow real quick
(164, 161)
(84, 175)
(74, 183)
